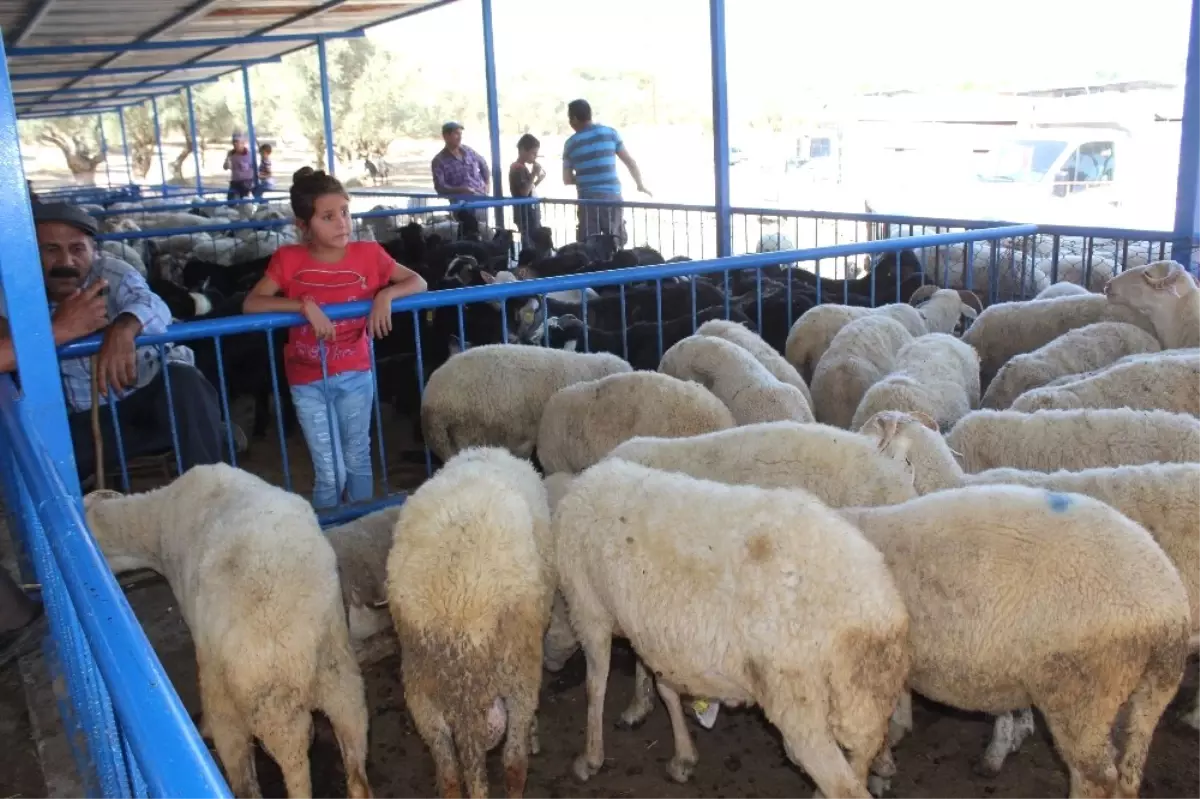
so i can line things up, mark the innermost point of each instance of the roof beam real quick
(329, 5)
(182, 44)
(92, 73)
(179, 84)
(186, 15)
(35, 19)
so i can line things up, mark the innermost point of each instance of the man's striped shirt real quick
(592, 153)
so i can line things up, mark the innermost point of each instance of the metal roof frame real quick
(198, 15)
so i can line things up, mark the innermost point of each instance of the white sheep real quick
(1165, 293)
(1074, 439)
(1012, 328)
(946, 310)
(750, 341)
(1162, 497)
(815, 457)
(362, 547)
(862, 353)
(978, 567)
(470, 585)
(493, 395)
(1061, 289)
(1169, 384)
(1076, 351)
(816, 328)
(935, 374)
(737, 378)
(583, 422)
(738, 593)
(257, 585)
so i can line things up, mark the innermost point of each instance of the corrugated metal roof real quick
(45, 79)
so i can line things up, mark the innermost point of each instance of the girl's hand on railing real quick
(321, 325)
(379, 323)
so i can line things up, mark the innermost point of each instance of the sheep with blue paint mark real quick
(1164, 498)
(979, 566)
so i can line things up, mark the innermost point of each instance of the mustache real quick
(65, 272)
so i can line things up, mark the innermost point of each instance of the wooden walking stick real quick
(97, 438)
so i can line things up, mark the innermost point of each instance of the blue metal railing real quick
(140, 739)
(220, 332)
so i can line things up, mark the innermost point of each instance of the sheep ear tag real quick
(706, 712)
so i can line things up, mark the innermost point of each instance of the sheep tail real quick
(97, 438)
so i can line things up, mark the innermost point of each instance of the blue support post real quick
(162, 166)
(323, 64)
(493, 105)
(195, 141)
(125, 147)
(250, 123)
(25, 298)
(1187, 204)
(720, 124)
(104, 149)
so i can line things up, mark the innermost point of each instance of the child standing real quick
(241, 168)
(328, 268)
(523, 176)
(266, 178)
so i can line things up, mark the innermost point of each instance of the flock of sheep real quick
(996, 509)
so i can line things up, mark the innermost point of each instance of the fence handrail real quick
(232, 325)
(169, 750)
(933, 221)
(265, 224)
(107, 212)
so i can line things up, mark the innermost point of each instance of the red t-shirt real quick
(365, 269)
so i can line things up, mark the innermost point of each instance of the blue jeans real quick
(344, 464)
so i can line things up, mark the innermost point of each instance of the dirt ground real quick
(741, 756)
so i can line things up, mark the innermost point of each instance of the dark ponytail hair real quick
(309, 184)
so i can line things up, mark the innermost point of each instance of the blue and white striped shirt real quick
(592, 154)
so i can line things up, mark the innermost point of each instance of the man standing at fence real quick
(89, 290)
(461, 175)
(590, 164)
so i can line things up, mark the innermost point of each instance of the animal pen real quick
(132, 735)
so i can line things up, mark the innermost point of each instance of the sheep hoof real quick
(1192, 718)
(680, 769)
(987, 766)
(585, 770)
(630, 721)
(878, 786)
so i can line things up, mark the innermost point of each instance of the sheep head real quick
(1143, 288)
(914, 438)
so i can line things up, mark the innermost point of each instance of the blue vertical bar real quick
(720, 124)
(125, 147)
(250, 122)
(493, 105)
(327, 113)
(195, 141)
(162, 167)
(104, 149)
(1187, 206)
(25, 297)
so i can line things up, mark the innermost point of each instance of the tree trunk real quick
(177, 163)
(82, 165)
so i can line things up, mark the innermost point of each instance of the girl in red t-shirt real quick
(328, 269)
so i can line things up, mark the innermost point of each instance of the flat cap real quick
(68, 214)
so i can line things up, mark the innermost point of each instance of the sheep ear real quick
(926, 420)
(488, 277)
(922, 294)
(972, 299)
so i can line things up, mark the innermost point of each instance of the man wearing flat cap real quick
(88, 291)
(461, 175)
